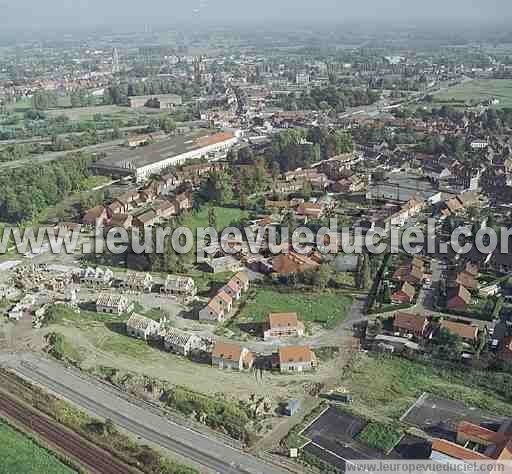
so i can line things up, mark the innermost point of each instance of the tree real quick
(307, 190)
(322, 276)
(212, 217)
(218, 187)
(366, 271)
(244, 200)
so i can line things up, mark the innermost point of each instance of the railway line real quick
(95, 459)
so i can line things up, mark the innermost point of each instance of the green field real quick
(479, 90)
(384, 387)
(20, 455)
(225, 216)
(327, 308)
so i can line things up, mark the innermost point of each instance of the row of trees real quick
(118, 93)
(330, 98)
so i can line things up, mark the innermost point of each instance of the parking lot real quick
(333, 438)
(439, 417)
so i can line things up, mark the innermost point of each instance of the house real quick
(183, 202)
(467, 332)
(296, 359)
(410, 324)
(223, 264)
(218, 308)
(179, 286)
(231, 356)
(96, 217)
(412, 274)
(233, 290)
(146, 219)
(123, 221)
(137, 281)
(458, 299)
(165, 210)
(141, 327)
(283, 325)
(467, 280)
(112, 304)
(310, 210)
(405, 295)
(96, 277)
(179, 342)
(242, 280)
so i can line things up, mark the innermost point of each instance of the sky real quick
(46, 14)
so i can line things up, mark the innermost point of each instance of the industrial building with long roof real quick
(142, 162)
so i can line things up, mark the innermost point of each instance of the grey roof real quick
(132, 159)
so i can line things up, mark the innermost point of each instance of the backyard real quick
(323, 307)
(225, 216)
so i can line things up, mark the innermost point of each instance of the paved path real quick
(137, 417)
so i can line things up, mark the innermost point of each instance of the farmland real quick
(477, 91)
(21, 455)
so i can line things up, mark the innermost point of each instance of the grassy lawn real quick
(225, 217)
(120, 344)
(480, 90)
(327, 308)
(380, 436)
(59, 313)
(384, 387)
(21, 455)
(95, 181)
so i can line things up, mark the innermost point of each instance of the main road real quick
(136, 417)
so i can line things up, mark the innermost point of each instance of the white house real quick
(137, 281)
(141, 327)
(112, 304)
(179, 342)
(179, 285)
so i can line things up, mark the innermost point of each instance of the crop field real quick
(21, 455)
(477, 91)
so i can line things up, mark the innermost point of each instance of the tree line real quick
(29, 190)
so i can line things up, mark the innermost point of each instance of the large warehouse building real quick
(142, 162)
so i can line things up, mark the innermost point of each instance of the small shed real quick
(291, 407)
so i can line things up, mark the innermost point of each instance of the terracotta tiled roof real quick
(226, 351)
(478, 433)
(410, 322)
(457, 452)
(293, 354)
(279, 320)
(466, 331)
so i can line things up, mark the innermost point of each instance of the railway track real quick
(95, 459)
